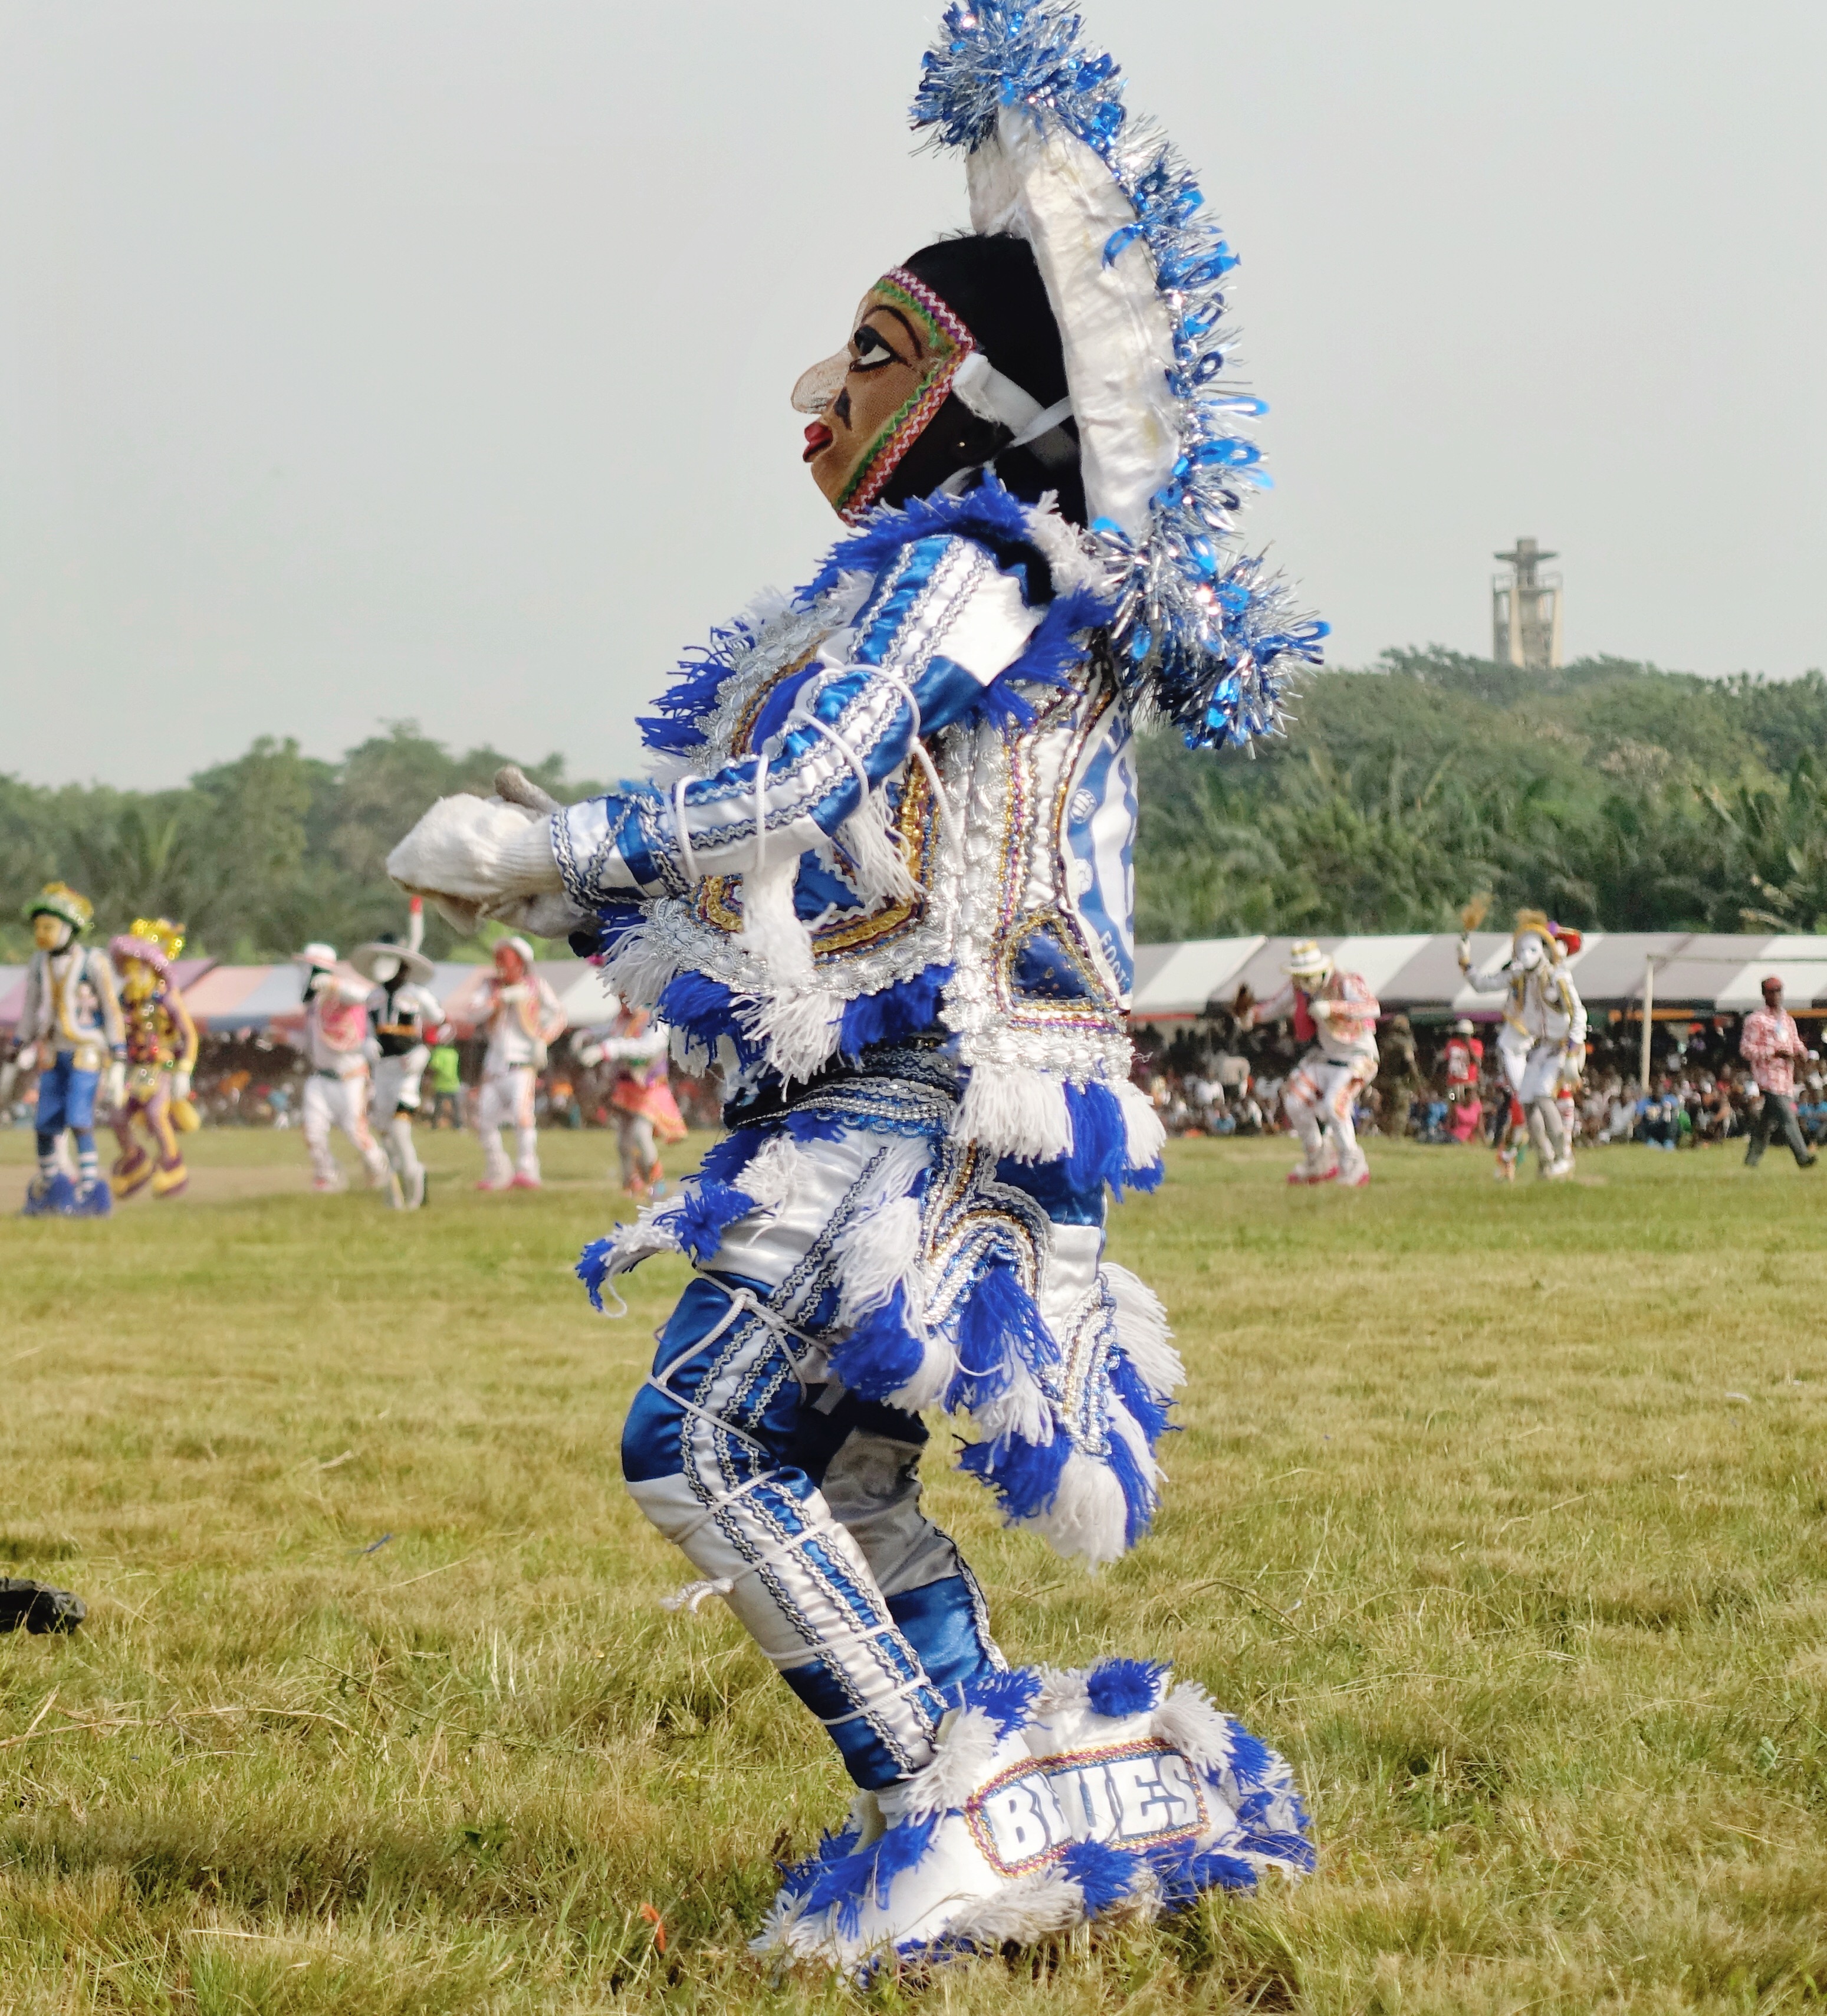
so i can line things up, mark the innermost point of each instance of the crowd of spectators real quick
(1206, 1078)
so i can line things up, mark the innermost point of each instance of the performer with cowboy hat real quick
(406, 1018)
(1542, 1042)
(335, 1093)
(1336, 1012)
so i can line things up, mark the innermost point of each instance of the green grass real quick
(1466, 1518)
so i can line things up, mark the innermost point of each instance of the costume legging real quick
(799, 1504)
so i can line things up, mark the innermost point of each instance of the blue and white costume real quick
(881, 878)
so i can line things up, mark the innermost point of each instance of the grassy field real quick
(1500, 1511)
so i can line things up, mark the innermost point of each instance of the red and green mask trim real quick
(951, 343)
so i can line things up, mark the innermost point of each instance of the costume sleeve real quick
(1483, 979)
(1274, 1008)
(942, 622)
(552, 1017)
(185, 1024)
(1576, 1011)
(641, 1049)
(113, 1022)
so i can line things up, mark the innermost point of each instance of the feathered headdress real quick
(1207, 637)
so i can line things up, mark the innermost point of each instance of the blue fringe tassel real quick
(703, 1007)
(1006, 1698)
(881, 1354)
(797, 1878)
(866, 1875)
(1151, 1414)
(1139, 1497)
(1251, 1758)
(724, 1162)
(592, 1268)
(805, 1124)
(1105, 1875)
(1183, 1872)
(998, 1316)
(1024, 1476)
(907, 1009)
(1125, 1686)
(702, 1214)
(988, 512)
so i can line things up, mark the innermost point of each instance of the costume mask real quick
(387, 967)
(876, 398)
(1529, 954)
(139, 982)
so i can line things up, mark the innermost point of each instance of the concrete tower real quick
(1525, 609)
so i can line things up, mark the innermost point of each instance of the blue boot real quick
(49, 1196)
(94, 1200)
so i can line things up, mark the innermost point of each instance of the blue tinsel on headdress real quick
(1208, 637)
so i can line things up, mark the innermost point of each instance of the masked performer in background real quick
(335, 1093)
(523, 1020)
(635, 1042)
(1335, 1011)
(70, 1031)
(882, 878)
(407, 1018)
(161, 1054)
(1542, 1042)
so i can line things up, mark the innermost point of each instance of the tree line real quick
(1616, 795)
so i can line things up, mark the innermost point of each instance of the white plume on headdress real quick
(1135, 275)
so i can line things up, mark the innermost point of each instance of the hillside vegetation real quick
(1619, 795)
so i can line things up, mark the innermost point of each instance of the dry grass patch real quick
(377, 1711)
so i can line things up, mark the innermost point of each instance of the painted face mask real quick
(876, 398)
(1530, 953)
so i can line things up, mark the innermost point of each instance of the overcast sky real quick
(365, 359)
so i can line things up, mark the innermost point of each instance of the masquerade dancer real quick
(636, 1043)
(70, 1030)
(1541, 1045)
(336, 1094)
(1339, 1010)
(882, 876)
(161, 1054)
(523, 1020)
(407, 1019)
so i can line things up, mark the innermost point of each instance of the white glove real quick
(180, 1085)
(27, 1057)
(116, 1095)
(588, 1054)
(482, 851)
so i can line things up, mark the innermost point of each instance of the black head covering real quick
(995, 288)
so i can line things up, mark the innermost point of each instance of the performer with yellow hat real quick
(161, 1054)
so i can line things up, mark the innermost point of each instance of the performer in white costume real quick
(335, 1093)
(882, 876)
(522, 1016)
(1541, 1042)
(407, 1018)
(1340, 1011)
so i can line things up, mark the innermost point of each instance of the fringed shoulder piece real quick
(1206, 635)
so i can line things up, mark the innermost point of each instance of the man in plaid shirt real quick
(1769, 1043)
